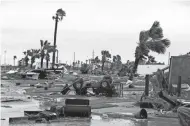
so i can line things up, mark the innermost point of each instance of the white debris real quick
(105, 116)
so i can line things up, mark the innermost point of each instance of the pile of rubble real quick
(168, 104)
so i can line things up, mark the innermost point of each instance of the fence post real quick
(179, 86)
(147, 85)
(121, 89)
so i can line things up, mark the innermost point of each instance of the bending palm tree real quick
(151, 40)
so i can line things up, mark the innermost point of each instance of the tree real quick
(117, 59)
(33, 53)
(14, 58)
(49, 50)
(26, 59)
(116, 64)
(97, 60)
(59, 16)
(150, 40)
(126, 68)
(105, 55)
(151, 59)
(44, 45)
(20, 62)
(47, 56)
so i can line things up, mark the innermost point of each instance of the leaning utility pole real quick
(58, 17)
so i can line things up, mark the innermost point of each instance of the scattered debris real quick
(6, 106)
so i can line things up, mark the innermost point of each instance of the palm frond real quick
(14, 57)
(156, 31)
(166, 42)
(156, 24)
(143, 36)
(156, 46)
(41, 43)
(45, 43)
(61, 12)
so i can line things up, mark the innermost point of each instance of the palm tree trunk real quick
(14, 62)
(31, 65)
(47, 62)
(55, 35)
(42, 58)
(102, 66)
(134, 68)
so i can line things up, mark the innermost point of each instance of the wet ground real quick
(99, 105)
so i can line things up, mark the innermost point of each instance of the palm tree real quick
(33, 53)
(150, 40)
(59, 16)
(14, 57)
(97, 60)
(47, 59)
(26, 59)
(49, 50)
(105, 55)
(117, 64)
(151, 59)
(44, 45)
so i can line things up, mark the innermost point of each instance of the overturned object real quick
(77, 108)
(105, 86)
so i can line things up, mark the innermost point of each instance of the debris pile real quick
(160, 99)
(72, 108)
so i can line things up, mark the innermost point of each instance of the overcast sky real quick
(89, 25)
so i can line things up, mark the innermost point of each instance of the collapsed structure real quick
(170, 89)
